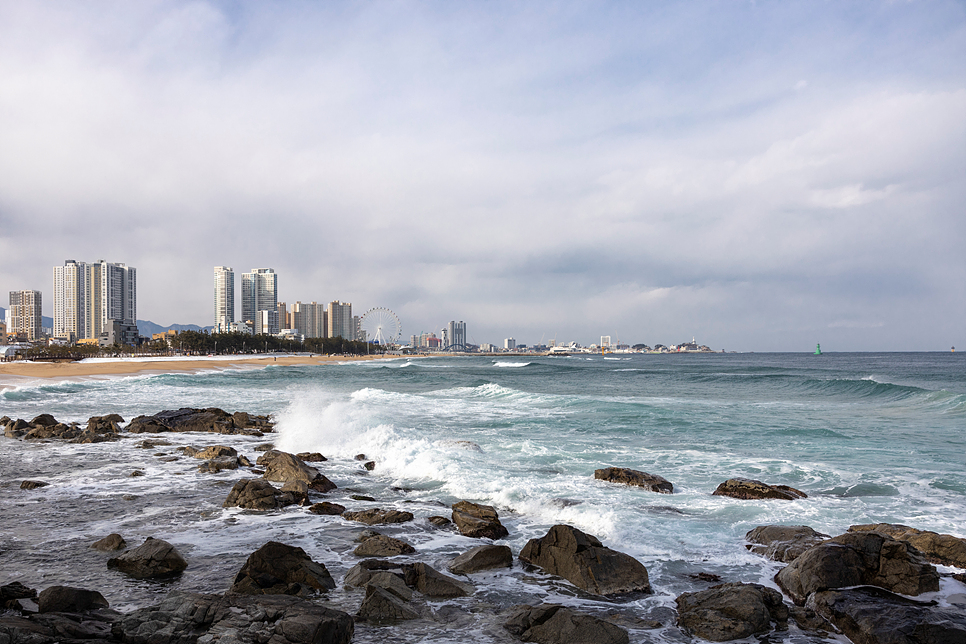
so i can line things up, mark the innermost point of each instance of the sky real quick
(760, 176)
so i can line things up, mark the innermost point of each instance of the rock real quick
(360, 457)
(44, 420)
(855, 559)
(87, 437)
(16, 590)
(433, 583)
(392, 582)
(322, 484)
(783, 542)
(367, 534)
(32, 485)
(582, 560)
(149, 443)
(360, 574)
(481, 558)
(243, 461)
(380, 605)
(311, 457)
(439, 522)
(731, 611)
(739, 488)
(475, 520)
(153, 559)
(369, 465)
(104, 424)
(361, 497)
(383, 546)
(110, 543)
(327, 508)
(64, 599)
(943, 549)
(221, 464)
(186, 618)
(706, 576)
(554, 624)
(136, 473)
(264, 447)
(280, 569)
(626, 476)
(257, 494)
(376, 516)
(212, 420)
(869, 615)
(214, 451)
(284, 467)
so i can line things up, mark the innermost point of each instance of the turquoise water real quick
(869, 438)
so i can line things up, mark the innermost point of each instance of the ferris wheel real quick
(381, 326)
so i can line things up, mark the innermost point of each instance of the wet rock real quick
(783, 542)
(739, 488)
(87, 437)
(110, 543)
(433, 583)
(376, 516)
(60, 431)
(731, 611)
(855, 559)
(221, 464)
(299, 491)
(869, 615)
(32, 485)
(322, 484)
(14, 596)
(327, 508)
(104, 424)
(149, 443)
(283, 467)
(64, 599)
(136, 473)
(264, 447)
(478, 521)
(439, 522)
(311, 457)
(360, 574)
(280, 569)
(392, 582)
(211, 420)
(44, 420)
(480, 558)
(185, 618)
(214, 451)
(582, 560)
(554, 624)
(943, 549)
(257, 494)
(383, 546)
(706, 576)
(361, 497)
(369, 465)
(367, 534)
(153, 559)
(382, 606)
(243, 461)
(651, 482)
(360, 457)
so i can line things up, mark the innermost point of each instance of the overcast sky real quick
(759, 175)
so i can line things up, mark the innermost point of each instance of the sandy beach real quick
(15, 373)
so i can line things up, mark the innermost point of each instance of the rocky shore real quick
(862, 584)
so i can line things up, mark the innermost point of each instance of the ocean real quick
(869, 437)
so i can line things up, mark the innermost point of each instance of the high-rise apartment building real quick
(310, 319)
(455, 336)
(260, 293)
(340, 321)
(284, 317)
(25, 314)
(224, 298)
(88, 296)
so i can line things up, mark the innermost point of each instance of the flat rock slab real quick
(739, 488)
(731, 611)
(554, 624)
(783, 542)
(626, 476)
(383, 546)
(480, 558)
(280, 569)
(376, 516)
(943, 549)
(153, 559)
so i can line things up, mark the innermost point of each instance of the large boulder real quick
(44, 420)
(943, 549)
(363, 572)
(383, 546)
(212, 420)
(382, 605)
(731, 611)
(215, 465)
(783, 542)
(651, 482)
(485, 557)
(283, 467)
(184, 618)
(869, 615)
(433, 583)
(739, 488)
(582, 560)
(478, 521)
(376, 516)
(280, 569)
(554, 624)
(153, 559)
(327, 508)
(104, 424)
(257, 494)
(64, 599)
(855, 559)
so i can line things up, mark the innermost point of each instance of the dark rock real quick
(626, 476)
(783, 542)
(211, 420)
(110, 543)
(439, 522)
(153, 559)
(89, 627)
(392, 582)
(284, 467)
(554, 624)
(87, 437)
(582, 560)
(257, 494)
(369, 465)
(299, 491)
(243, 461)
(360, 574)
(149, 443)
(869, 615)
(360, 457)
(706, 576)
(104, 424)
(376, 516)
(216, 465)
(943, 549)
(855, 559)
(478, 521)
(383, 546)
(322, 484)
(280, 569)
(381, 606)
(214, 451)
(183, 618)
(64, 599)
(311, 457)
(136, 473)
(361, 497)
(44, 420)
(264, 447)
(32, 485)
(731, 611)
(433, 583)
(739, 488)
(481, 558)
(327, 508)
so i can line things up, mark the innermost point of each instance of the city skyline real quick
(762, 176)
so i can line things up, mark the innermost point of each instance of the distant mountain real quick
(46, 322)
(147, 328)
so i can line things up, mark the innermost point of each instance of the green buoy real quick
(818, 349)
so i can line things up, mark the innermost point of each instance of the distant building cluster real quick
(95, 303)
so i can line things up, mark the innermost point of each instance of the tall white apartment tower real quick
(260, 293)
(340, 321)
(224, 298)
(456, 335)
(88, 297)
(25, 312)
